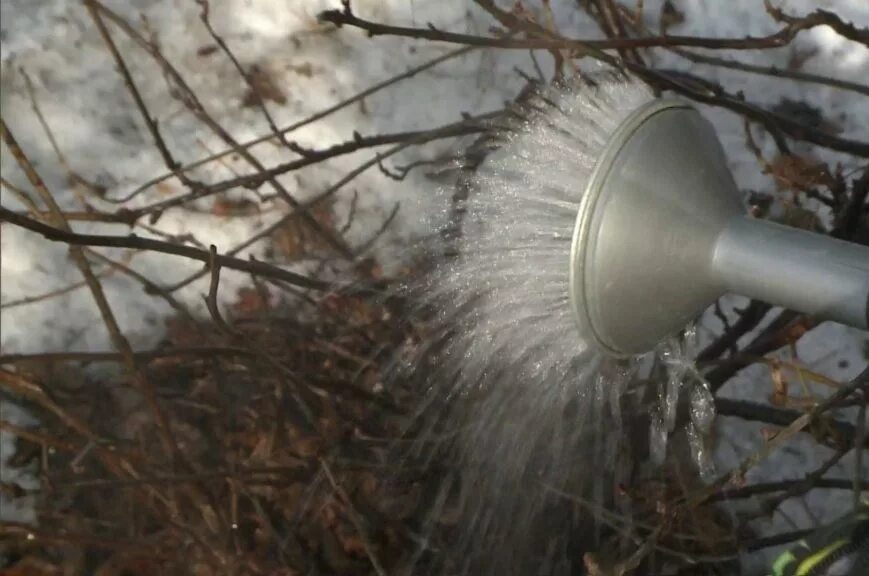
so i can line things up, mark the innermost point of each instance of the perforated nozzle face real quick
(643, 245)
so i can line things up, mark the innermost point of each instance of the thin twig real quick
(124, 71)
(782, 485)
(310, 119)
(346, 17)
(137, 243)
(859, 440)
(254, 91)
(118, 339)
(189, 98)
(354, 518)
(61, 157)
(22, 195)
(207, 352)
(211, 299)
(755, 412)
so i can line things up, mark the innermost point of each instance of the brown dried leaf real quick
(779, 397)
(182, 333)
(164, 188)
(801, 173)
(308, 447)
(226, 208)
(263, 87)
(251, 301)
(207, 50)
(296, 238)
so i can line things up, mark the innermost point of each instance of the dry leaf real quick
(225, 207)
(296, 238)
(164, 188)
(181, 332)
(794, 172)
(207, 50)
(251, 301)
(779, 396)
(263, 87)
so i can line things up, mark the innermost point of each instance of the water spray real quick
(600, 224)
(661, 234)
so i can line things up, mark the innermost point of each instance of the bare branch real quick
(346, 17)
(137, 243)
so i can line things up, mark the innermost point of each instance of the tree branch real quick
(137, 243)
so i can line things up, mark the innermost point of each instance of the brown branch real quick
(191, 101)
(113, 460)
(137, 243)
(749, 317)
(118, 339)
(26, 532)
(778, 333)
(848, 219)
(211, 299)
(783, 485)
(365, 246)
(780, 417)
(354, 518)
(473, 125)
(795, 426)
(509, 20)
(35, 437)
(775, 123)
(314, 156)
(820, 18)
(124, 71)
(755, 544)
(333, 189)
(859, 440)
(149, 286)
(810, 481)
(142, 356)
(18, 385)
(22, 195)
(346, 17)
(123, 216)
(637, 24)
(359, 96)
(49, 295)
(257, 97)
(774, 71)
(34, 104)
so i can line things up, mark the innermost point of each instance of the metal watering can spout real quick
(661, 233)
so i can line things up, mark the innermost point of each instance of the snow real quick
(104, 139)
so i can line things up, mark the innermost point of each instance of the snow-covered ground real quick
(101, 133)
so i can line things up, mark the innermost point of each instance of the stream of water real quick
(531, 411)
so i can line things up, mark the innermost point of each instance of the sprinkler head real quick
(661, 234)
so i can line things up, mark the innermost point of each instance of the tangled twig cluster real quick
(259, 442)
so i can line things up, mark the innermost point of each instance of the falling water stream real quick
(533, 411)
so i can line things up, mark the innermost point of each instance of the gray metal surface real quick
(661, 234)
(646, 229)
(814, 274)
